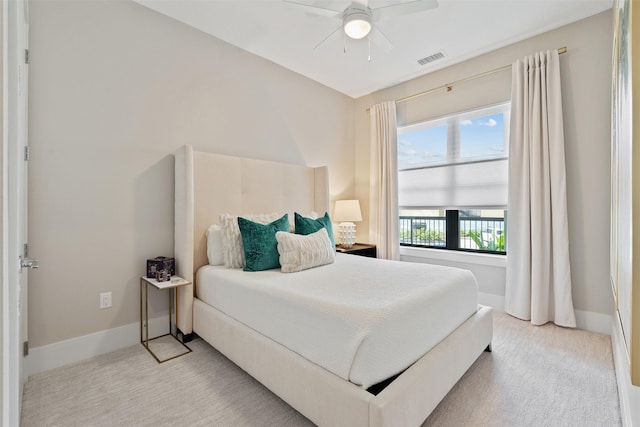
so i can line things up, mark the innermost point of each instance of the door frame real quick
(14, 138)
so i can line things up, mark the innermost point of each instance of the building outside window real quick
(452, 181)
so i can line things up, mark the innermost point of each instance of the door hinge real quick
(26, 250)
(25, 348)
(27, 153)
(26, 56)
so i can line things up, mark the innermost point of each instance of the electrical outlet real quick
(105, 300)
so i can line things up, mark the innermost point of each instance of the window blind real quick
(481, 184)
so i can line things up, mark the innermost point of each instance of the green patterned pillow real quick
(260, 244)
(310, 225)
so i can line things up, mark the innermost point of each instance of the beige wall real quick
(115, 89)
(586, 89)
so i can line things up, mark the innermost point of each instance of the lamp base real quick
(347, 234)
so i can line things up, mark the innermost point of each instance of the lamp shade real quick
(347, 211)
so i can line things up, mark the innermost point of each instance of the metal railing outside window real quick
(468, 233)
(423, 231)
(482, 234)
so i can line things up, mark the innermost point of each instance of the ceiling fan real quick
(359, 20)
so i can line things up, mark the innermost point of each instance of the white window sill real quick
(455, 256)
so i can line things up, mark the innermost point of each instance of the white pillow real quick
(214, 245)
(232, 249)
(300, 252)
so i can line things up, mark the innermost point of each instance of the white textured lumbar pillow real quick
(300, 252)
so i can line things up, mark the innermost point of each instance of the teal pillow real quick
(310, 225)
(260, 244)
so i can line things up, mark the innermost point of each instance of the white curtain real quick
(383, 197)
(538, 284)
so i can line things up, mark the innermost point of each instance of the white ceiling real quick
(286, 34)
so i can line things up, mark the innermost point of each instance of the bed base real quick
(328, 400)
(185, 338)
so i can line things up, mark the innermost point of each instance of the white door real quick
(16, 261)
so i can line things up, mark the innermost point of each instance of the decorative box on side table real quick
(362, 249)
(171, 285)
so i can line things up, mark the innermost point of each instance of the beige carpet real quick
(536, 376)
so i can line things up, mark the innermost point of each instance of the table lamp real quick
(346, 213)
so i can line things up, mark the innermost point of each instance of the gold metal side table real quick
(172, 285)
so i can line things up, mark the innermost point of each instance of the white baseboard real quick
(594, 322)
(628, 394)
(587, 320)
(74, 350)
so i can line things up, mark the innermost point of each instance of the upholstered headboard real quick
(207, 185)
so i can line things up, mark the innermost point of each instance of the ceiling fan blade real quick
(386, 12)
(379, 39)
(328, 37)
(318, 8)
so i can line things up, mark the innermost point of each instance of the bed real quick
(207, 185)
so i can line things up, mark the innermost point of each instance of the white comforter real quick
(363, 319)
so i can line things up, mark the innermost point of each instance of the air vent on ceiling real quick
(429, 59)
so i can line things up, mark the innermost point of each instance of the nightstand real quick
(362, 249)
(172, 285)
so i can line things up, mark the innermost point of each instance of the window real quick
(452, 181)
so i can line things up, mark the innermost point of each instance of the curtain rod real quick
(449, 86)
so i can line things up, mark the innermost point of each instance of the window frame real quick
(454, 122)
(452, 236)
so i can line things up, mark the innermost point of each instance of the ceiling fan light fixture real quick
(357, 24)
